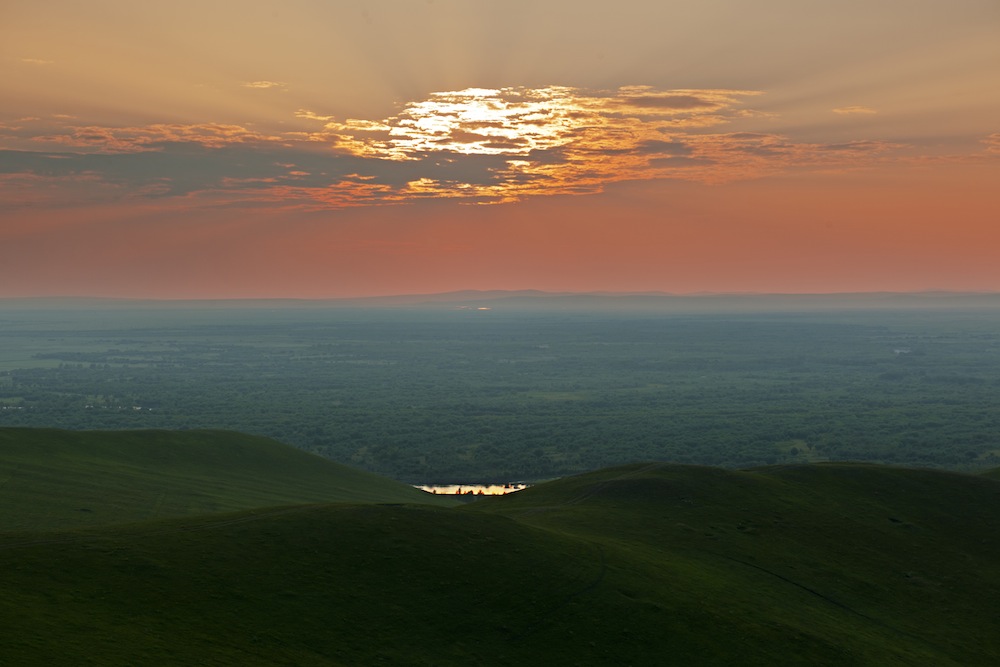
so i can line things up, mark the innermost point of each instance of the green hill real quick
(52, 479)
(863, 561)
(650, 564)
(310, 585)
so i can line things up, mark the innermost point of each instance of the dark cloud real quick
(680, 161)
(183, 168)
(749, 135)
(656, 147)
(177, 168)
(855, 146)
(548, 156)
(506, 144)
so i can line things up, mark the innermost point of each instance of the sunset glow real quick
(750, 148)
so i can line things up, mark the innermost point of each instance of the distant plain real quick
(433, 390)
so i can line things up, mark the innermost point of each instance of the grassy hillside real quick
(648, 564)
(51, 479)
(992, 474)
(840, 562)
(312, 585)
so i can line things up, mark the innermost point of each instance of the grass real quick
(829, 564)
(858, 559)
(53, 479)
(331, 584)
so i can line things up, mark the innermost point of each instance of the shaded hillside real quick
(313, 585)
(52, 479)
(647, 564)
(867, 560)
(992, 474)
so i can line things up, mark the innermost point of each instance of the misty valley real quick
(445, 394)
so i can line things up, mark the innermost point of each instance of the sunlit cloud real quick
(478, 146)
(854, 111)
(35, 61)
(519, 121)
(309, 115)
(264, 85)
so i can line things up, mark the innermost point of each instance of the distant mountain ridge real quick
(541, 300)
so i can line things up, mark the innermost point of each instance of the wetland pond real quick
(473, 489)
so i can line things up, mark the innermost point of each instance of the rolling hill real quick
(643, 564)
(54, 479)
(861, 559)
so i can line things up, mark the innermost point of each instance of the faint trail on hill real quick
(823, 597)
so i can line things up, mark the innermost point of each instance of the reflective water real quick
(474, 489)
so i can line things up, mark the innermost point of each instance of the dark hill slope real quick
(885, 563)
(53, 479)
(641, 565)
(307, 585)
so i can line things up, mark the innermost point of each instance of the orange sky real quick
(324, 149)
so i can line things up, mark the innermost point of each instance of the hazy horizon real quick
(598, 299)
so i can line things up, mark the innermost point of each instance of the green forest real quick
(444, 394)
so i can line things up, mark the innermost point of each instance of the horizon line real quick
(498, 293)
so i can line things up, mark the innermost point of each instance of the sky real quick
(324, 148)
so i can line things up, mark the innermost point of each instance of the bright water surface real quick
(475, 489)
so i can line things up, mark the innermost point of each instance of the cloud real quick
(857, 147)
(992, 143)
(854, 111)
(95, 138)
(660, 147)
(680, 161)
(309, 115)
(35, 61)
(517, 121)
(754, 113)
(264, 84)
(478, 145)
(670, 102)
